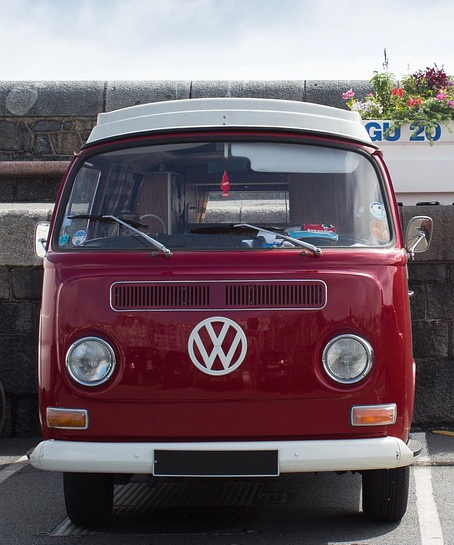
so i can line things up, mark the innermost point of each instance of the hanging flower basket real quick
(425, 98)
(413, 123)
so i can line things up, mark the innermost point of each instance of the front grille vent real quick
(305, 294)
(160, 296)
(284, 294)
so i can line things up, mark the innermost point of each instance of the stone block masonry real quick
(42, 124)
(20, 299)
(431, 278)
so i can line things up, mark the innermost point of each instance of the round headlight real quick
(90, 361)
(347, 358)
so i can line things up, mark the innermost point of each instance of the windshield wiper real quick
(167, 253)
(314, 249)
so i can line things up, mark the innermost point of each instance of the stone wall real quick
(20, 296)
(43, 123)
(431, 278)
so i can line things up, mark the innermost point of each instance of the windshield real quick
(225, 195)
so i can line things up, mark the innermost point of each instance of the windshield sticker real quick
(64, 239)
(79, 237)
(377, 210)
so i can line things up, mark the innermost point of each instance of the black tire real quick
(2, 407)
(88, 497)
(385, 493)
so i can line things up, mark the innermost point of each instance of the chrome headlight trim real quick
(348, 358)
(90, 357)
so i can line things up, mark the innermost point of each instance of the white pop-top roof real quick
(229, 112)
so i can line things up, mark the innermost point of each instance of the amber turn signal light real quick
(67, 419)
(374, 415)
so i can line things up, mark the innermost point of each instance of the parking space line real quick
(13, 468)
(429, 521)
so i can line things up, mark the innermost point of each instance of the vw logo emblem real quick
(217, 346)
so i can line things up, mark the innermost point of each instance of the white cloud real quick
(220, 39)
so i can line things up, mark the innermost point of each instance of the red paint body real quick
(170, 399)
(279, 392)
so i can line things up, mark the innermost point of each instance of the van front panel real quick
(222, 278)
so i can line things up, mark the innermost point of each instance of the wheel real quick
(385, 493)
(88, 497)
(2, 407)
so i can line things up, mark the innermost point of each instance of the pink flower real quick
(441, 96)
(349, 94)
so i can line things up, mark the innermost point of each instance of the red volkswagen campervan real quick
(225, 295)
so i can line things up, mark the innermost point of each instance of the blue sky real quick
(221, 39)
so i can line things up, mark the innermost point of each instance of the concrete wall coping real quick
(88, 98)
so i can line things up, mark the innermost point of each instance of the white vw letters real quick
(217, 346)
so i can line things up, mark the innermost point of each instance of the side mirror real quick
(41, 236)
(418, 235)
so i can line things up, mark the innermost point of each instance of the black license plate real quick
(194, 463)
